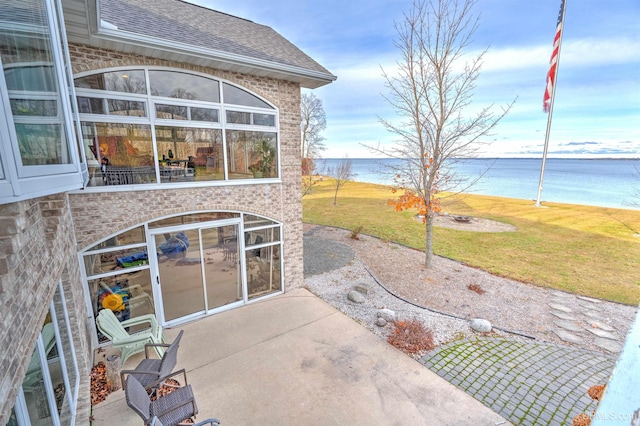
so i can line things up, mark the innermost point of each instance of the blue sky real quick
(597, 104)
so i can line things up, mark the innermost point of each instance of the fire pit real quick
(462, 219)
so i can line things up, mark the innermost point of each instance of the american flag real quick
(551, 75)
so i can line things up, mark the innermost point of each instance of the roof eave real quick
(162, 49)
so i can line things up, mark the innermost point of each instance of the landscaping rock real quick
(363, 288)
(356, 296)
(480, 325)
(387, 314)
(381, 322)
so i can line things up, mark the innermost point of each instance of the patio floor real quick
(294, 359)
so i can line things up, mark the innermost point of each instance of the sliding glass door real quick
(198, 269)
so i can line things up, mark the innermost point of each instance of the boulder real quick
(355, 296)
(387, 314)
(480, 325)
(363, 288)
(381, 322)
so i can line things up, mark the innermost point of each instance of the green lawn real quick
(592, 251)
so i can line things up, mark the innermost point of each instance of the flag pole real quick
(553, 72)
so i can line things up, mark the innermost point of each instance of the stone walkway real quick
(527, 383)
(324, 255)
(577, 320)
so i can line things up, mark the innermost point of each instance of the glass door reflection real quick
(199, 269)
(221, 266)
(180, 270)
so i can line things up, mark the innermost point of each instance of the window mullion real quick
(46, 378)
(74, 360)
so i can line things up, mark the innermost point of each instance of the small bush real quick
(411, 337)
(355, 233)
(476, 288)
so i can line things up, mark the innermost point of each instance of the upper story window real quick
(143, 126)
(130, 81)
(37, 140)
(180, 85)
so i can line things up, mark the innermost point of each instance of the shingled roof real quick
(183, 24)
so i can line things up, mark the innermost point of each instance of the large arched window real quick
(184, 267)
(143, 126)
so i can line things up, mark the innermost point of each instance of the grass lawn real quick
(592, 251)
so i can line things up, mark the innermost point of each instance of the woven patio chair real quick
(212, 422)
(150, 370)
(171, 409)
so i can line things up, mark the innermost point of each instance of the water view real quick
(601, 182)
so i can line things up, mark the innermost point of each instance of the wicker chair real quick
(171, 409)
(150, 370)
(212, 422)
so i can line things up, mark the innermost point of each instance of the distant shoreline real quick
(594, 182)
(491, 158)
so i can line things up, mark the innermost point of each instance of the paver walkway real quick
(322, 255)
(527, 383)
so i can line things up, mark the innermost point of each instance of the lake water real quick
(601, 182)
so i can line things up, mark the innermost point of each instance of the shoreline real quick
(601, 182)
(473, 194)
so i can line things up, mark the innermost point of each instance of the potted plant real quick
(266, 154)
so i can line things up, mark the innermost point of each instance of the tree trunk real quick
(428, 252)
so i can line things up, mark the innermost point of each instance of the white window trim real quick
(25, 182)
(151, 120)
(73, 389)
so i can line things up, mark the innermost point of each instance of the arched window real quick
(147, 126)
(185, 266)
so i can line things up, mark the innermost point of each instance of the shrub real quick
(476, 288)
(411, 337)
(355, 233)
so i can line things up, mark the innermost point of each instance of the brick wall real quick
(98, 215)
(39, 238)
(37, 249)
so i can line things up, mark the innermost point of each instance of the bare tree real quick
(341, 174)
(432, 93)
(308, 166)
(313, 122)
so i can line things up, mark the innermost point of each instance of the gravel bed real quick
(334, 286)
(516, 310)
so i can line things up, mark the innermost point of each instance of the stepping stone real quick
(588, 299)
(560, 308)
(601, 326)
(561, 294)
(592, 314)
(568, 325)
(602, 333)
(568, 337)
(559, 301)
(563, 316)
(591, 308)
(593, 305)
(608, 345)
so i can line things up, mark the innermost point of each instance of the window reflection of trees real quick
(183, 152)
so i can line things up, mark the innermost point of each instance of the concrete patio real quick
(294, 359)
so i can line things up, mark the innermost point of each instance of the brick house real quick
(149, 164)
